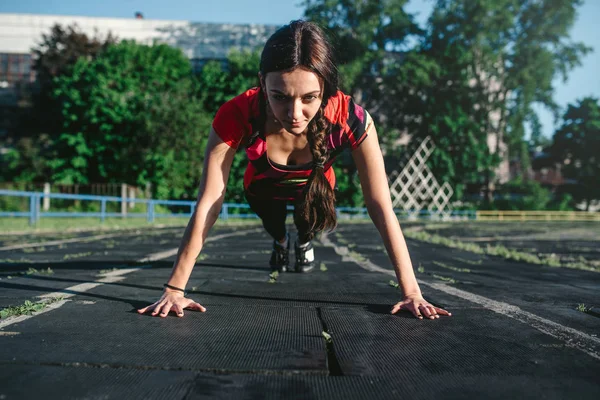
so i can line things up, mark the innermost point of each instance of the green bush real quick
(522, 194)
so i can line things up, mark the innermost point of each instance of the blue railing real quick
(228, 210)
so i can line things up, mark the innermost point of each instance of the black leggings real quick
(273, 214)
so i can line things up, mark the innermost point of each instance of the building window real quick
(15, 68)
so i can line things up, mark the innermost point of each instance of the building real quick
(19, 33)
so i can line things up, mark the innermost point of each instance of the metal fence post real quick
(102, 210)
(46, 197)
(123, 200)
(150, 213)
(225, 212)
(32, 210)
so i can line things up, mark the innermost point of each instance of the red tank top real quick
(267, 179)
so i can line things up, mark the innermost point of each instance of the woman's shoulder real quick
(340, 107)
(233, 120)
(245, 103)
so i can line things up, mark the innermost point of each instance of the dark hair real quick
(303, 44)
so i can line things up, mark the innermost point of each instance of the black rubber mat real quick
(88, 382)
(261, 340)
(470, 343)
(550, 292)
(231, 338)
(61, 381)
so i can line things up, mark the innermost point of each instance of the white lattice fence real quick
(415, 187)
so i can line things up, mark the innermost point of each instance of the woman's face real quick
(294, 97)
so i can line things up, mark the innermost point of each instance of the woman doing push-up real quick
(292, 127)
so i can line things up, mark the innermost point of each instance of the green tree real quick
(218, 82)
(371, 37)
(130, 115)
(472, 76)
(505, 54)
(576, 145)
(36, 123)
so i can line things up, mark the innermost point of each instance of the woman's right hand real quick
(171, 301)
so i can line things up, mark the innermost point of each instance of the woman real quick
(304, 121)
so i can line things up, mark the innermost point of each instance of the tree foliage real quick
(470, 79)
(219, 83)
(576, 145)
(130, 115)
(36, 122)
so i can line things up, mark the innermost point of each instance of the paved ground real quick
(567, 241)
(514, 332)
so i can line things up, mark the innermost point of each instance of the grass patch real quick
(106, 271)
(323, 267)
(273, 277)
(357, 256)
(444, 278)
(33, 271)
(582, 308)
(76, 255)
(421, 269)
(27, 308)
(500, 251)
(19, 224)
(33, 249)
(464, 260)
(393, 284)
(450, 267)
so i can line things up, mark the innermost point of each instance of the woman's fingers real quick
(426, 312)
(404, 306)
(147, 308)
(165, 309)
(157, 307)
(420, 311)
(196, 306)
(396, 308)
(441, 311)
(431, 313)
(178, 310)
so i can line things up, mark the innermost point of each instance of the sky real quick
(582, 81)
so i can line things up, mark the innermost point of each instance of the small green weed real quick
(450, 267)
(106, 271)
(33, 271)
(273, 276)
(76, 255)
(463, 260)
(581, 307)
(34, 249)
(323, 267)
(393, 284)
(444, 278)
(27, 308)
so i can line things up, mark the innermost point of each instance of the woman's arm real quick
(217, 163)
(373, 180)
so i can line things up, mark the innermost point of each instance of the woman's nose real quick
(295, 111)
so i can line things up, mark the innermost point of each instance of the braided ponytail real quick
(304, 44)
(318, 206)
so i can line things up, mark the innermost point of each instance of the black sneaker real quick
(280, 256)
(302, 263)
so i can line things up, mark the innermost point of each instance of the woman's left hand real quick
(420, 307)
